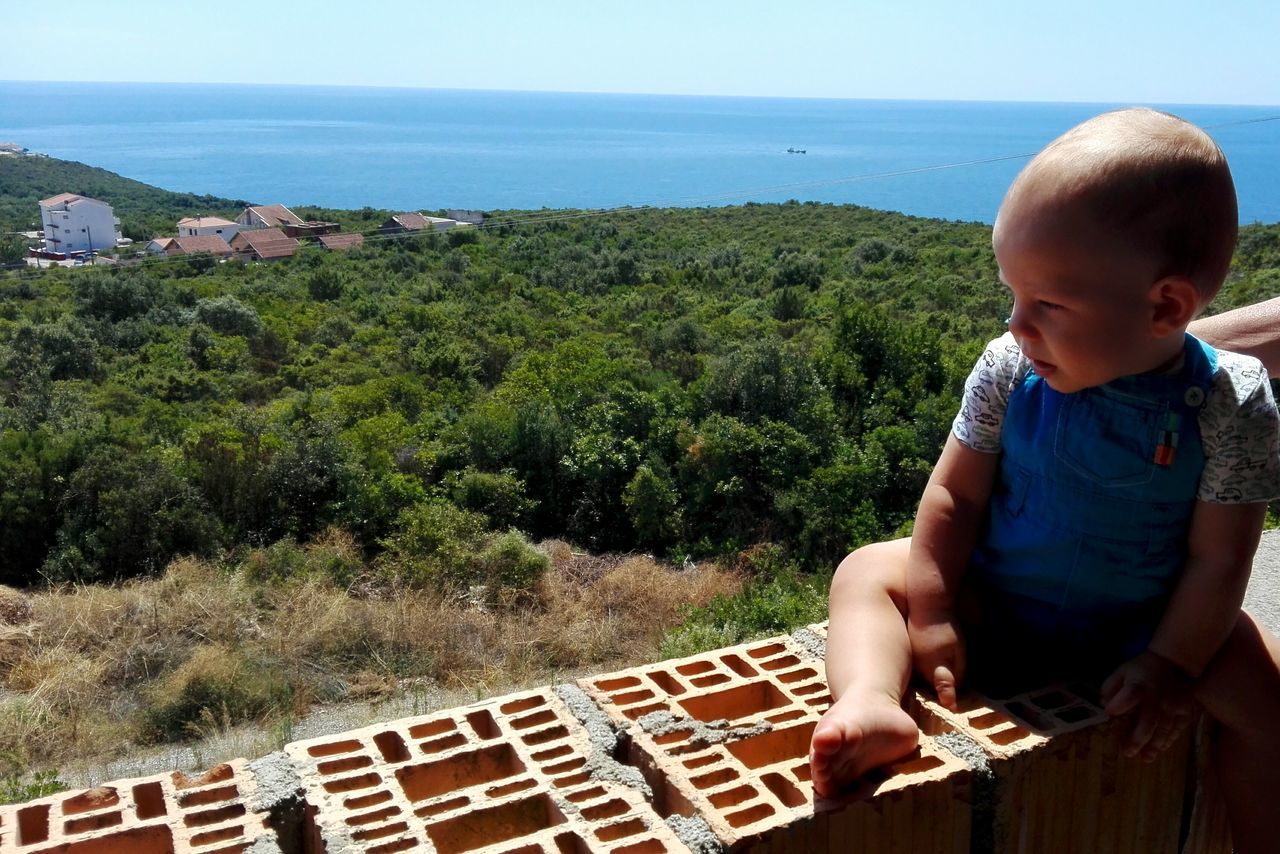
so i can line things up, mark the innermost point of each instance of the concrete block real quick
(529, 772)
(725, 735)
(211, 814)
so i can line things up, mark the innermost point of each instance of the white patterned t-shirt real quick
(1239, 424)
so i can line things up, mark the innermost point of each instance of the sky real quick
(1113, 51)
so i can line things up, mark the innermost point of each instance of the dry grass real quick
(90, 671)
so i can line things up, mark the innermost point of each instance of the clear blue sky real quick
(1148, 51)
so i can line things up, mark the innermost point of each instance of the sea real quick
(426, 149)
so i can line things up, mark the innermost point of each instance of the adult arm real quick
(1253, 330)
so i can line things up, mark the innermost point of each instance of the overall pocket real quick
(1108, 441)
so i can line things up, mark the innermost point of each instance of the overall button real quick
(1194, 396)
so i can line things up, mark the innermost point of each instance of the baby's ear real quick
(1175, 301)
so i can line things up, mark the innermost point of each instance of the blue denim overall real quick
(1088, 523)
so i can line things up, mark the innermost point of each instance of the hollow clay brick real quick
(725, 735)
(515, 773)
(211, 814)
(1208, 831)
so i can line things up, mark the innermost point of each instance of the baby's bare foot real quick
(856, 735)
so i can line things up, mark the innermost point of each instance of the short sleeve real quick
(1240, 431)
(986, 395)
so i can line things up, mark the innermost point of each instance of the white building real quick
(208, 226)
(74, 223)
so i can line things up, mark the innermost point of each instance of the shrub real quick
(511, 562)
(216, 680)
(433, 543)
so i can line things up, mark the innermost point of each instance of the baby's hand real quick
(1159, 694)
(937, 652)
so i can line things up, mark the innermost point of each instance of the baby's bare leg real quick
(1241, 691)
(868, 666)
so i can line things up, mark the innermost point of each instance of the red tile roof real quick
(264, 243)
(68, 198)
(275, 215)
(211, 243)
(203, 222)
(413, 221)
(341, 241)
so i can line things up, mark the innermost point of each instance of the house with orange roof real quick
(209, 244)
(407, 223)
(341, 241)
(263, 244)
(75, 223)
(267, 216)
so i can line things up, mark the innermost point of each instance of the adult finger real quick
(1124, 700)
(1144, 727)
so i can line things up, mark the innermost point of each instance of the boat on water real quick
(797, 151)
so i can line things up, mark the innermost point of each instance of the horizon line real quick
(393, 87)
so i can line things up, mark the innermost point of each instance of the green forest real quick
(763, 386)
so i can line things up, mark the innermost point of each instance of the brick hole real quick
(544, 735)
(545, 716)
(527, 849)
(156, 839)
(472, 768)
(738, 702)
(570, 843)
(508, 788)
(392, 747)
(572, 780)
(620, 830)
(988, 720)
(732, 797)
(221, 814)
(379, 832)
(483, 724)
(1028, 715)
(1088, 693)
(361, 801)
(524, 704)
(766, 650)
(819, 702)
(432, 728)
(750, 815)
(802, 772)
(92, 822)
(552, 753)
(1010, 735)
(394, 847)
(644, 846)
(738, 666)
(783, 717)
(709, 680)
(693, 668)
(350, 784)
(494, 825)
(346, 763)
(714, 778)
(617, 683)
(564, 767)
(780, 663)
(455, 740)
(1051, 700)
(699, 761)
(805, 690)
(608, 809)
(630, 697)
(91, 799)
(333, 748)
(204, 797)
(33, 824)
(636, 712)
(585, 794)
(213, 837)
(673, 737)
(666, 682)
(239, 848)
(796, 675)
(1075, 714)
(779, 745)
(918, 765)
(439, 807)
(967, 703)
(783, 789)
(217, 774)
(149, 799)
(377, 815)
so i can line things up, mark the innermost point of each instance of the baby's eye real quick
(1048, 306)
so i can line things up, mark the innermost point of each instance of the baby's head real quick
(1112, 239)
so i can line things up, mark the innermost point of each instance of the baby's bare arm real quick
(1206, 601)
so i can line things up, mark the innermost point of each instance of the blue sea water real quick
(425, 149)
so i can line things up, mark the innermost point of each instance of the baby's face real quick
(1081, 309)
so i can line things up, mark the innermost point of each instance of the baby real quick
(1095, 511)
